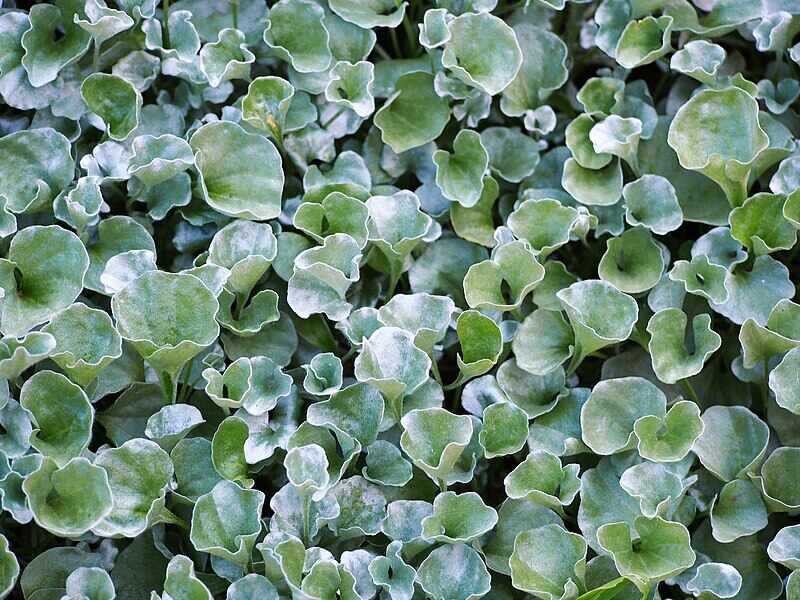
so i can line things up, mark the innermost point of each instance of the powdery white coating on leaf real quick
(462, 287)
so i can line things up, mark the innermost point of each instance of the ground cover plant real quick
(359, 299)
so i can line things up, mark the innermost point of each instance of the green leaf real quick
(337, 213)
(323, 375)
(322, 276)
(252, 189)
(351, 86)
(785, 547)
(35, 166)
(226, 522)
(490, 71)
(413, 115)
(391, 362)
(783, 381)
(48, 52)
(673, 357)
(669, 438)
(168, 317)
(544, 223)
(617, 136)
(71, 500)
(481, 344)
(651, 201)
(548, 562)
(49, 571)
(510, 153)
(755, 292)
(267, 104)
(718, 134)
(356, 410)
(227, 451)
(503, 282)
(599, 314)
(633, 262)
(9, 568)
(393, 574)
(535, 394)
(542, 479)
(644, 41)
(582, 148)
(460, 174)
(172, 423)
(42, 274)
(614, 406)
(297, 34)
(702, 278)
(226, 59)
(194, 469)
(369, 14)
(159, 159)
(453, 572)
(19, 354)
(656, 488)
(181, 582)
(86, 342)
(543, 342)
(426, 316)
(662, 549)
(385, 465)
(434, 439)
(699, 59)
(760, 226)
(543, 69)
(115, 101)
(362, 508)
(515, 517)
(738, 511)
(505, 429)
(601, 187)
(718, 579)
(779, 479)
(62, 416)
(733, 442)
(458, 518)
(139, 473)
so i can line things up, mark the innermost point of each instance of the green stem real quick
(333, 118)
(394, 279)
(442, 485)
(576, 360)
(456, 384)
(167, 516)
(687, 386)
(307, 520)
(765, 383)
(169, 385)
(382, 53)
(96, 57)
(411, 42)
(165, 24)
(395, 43)
(435, 368)
(235, 13)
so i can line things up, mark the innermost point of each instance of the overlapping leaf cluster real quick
(364, 299)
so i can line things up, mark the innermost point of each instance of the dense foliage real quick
(364, 299)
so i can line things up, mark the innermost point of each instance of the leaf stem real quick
(165, 24)
(435, 368)
(765, 383)
(690, 391)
